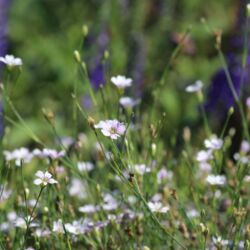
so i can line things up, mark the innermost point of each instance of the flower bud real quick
(248, 10)
(85, 30)
(77, 56)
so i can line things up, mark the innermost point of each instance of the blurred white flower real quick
(77, 188)
(248, 102)
(44, 178)
(128, 102)
(244, 147)
(218, 241)
(164, 174)
(121, 82)
(216, 179)
(157, 207)
(58, 227)
(22, 223)
(197, 86)
(48, 153)
(192, 213)
(213, 143)
(42, 232)
(85, 166)
(110, 203)
(203, 155)
(111, 128)
(141, 169)
(4, 193)
(19, 155)
(241, 158)
(11, 61)
(88, 209)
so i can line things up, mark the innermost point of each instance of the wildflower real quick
(196, 87)
(244, 147)
(203, 156)
(121, 82)
(11, 61)
(248, 102)
(50, 153)
(88, 209)
(219, 242)
(213, 143)
(163, 174)
(77, 188)
(22, 223)
(216, 179)
(141, 169)
(85, 166)
(128, 102)
(4, 193)
(111, 128)
(158, 207)
(19, 155)
(192, 213)
(58, 226)
(110, 203)
(44, 178)
(42, 232)
(241, 158)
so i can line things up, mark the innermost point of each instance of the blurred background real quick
(140, 36)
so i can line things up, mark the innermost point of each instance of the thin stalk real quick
(236, 98)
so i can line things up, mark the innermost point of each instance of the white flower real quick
(44, 178)
(241, 158)
(11, 61)
(121, 82)
(213, 143)
(85, 166)
(193, 213)
(216, 179)
(22, 223)
(88, 209)
(141, 169)
(19, 155)
(248, 102)
(58, 227)
(128, 102)
(111, 128)
(110, 203)
(164, 174)
(218, 241)
(158, 207)
(203, 156)
(244, 147)
(77, 188)
(205, 167)
(197, 86)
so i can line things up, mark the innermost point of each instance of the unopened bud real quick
(186, 134)
(106, 55)
(231, 111)
(85, 30)
(248, 9)
(77, 56)
(204, 229)
(27, 192)
(49, 115)
(153, 148)
(91, 122)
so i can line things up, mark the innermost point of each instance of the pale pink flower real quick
(111, 128)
